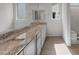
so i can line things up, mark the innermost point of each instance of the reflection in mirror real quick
(21, 10)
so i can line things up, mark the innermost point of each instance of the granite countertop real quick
(10, 46)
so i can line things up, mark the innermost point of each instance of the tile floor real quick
(57, 46)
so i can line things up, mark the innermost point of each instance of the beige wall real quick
(66, 24)
(6, 17)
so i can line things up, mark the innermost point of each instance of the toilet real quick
(74, 37)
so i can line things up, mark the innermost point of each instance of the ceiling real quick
(74, 4)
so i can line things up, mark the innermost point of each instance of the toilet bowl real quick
(74, 37)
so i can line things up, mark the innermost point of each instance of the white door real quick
(56, 23)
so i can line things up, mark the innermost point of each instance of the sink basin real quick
(21, 36)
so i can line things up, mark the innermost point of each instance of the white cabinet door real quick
(39, 43)
(40, 39)
(30, 49)
(43, 35)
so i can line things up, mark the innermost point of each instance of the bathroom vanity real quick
(25, 41)
(35, 45)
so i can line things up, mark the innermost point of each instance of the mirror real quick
(21, 11)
